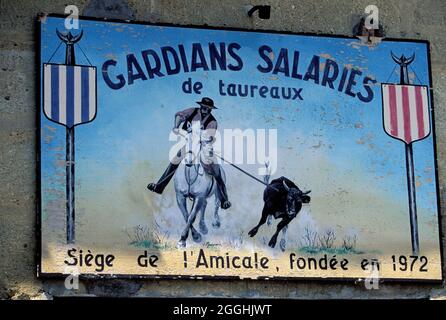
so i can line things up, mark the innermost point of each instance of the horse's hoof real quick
(181, 244)
(196, 237)
(282, 245)
(216, 224)
(203, 228)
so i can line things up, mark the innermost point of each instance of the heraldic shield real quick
(406, 112)
(69, 94)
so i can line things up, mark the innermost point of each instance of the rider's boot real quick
(164, 180)
(221, 189)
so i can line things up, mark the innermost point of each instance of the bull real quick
(283, 200)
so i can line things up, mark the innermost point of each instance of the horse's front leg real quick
(216, 222)
(203, 228)
(191, 219)
(182, 204)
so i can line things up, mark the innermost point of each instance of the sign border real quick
(38, 254)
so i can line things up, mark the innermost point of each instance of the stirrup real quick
(225, 204)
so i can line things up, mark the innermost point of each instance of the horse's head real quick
(198, 144)
(193, 143)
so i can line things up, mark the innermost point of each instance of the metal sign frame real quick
(133, 276)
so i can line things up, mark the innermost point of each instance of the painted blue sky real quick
(133, 123)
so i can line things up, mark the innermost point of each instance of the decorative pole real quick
(70, 60)
(404, 62)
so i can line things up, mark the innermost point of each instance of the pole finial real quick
(70, 40)
(403, 61)
(68, 37)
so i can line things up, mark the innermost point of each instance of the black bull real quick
(283, 200)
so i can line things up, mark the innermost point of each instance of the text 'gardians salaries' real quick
(170, 60)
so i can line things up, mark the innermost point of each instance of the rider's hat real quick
(207, 102)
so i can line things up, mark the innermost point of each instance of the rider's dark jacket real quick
(194, 114)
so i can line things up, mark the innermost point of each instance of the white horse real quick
(191, 181)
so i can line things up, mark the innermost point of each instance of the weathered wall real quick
(412, 19)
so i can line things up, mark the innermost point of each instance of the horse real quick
(191, 181)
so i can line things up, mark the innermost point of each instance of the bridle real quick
(191, 165)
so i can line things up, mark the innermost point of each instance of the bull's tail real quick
(268, 173)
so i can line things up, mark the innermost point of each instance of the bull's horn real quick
(307, 192)
(286, 187)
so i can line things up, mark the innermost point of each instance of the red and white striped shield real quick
(405, 111)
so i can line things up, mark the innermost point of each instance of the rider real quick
(208, 123)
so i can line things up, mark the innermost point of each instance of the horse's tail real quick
(267, 172)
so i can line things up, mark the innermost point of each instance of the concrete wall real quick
(412, 19)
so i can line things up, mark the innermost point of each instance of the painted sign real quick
(205, 152)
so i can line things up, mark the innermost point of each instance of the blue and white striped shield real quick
(69, 94)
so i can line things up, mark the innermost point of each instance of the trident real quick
(69, 41)
(404, 62)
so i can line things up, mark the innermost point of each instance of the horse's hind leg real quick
(216, 222)
(203, 228)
